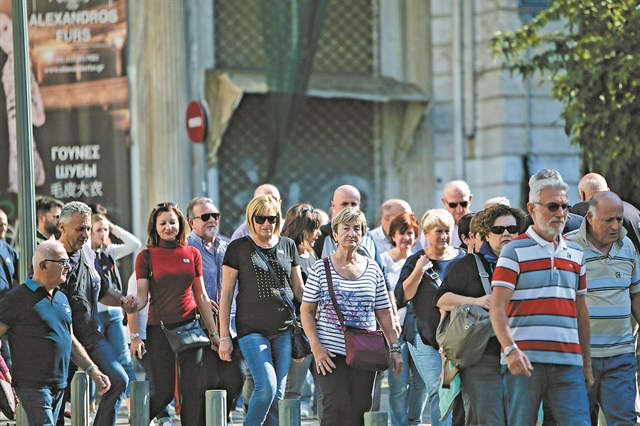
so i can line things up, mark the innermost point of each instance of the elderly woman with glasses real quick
(176, 290)
(266, 268)
(481, 384)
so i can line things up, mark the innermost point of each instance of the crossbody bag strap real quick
(484, 277)
(283, 292)
(332, 293)
(431, 273)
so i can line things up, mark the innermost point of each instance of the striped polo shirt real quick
(542, 312)
(611, 280)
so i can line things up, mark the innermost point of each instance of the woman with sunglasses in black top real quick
(261, 309)
(481, 384)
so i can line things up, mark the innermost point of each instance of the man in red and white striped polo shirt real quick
(539, 314)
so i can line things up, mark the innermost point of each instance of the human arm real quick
(204, 304)
(80, 357)
(113, 298)
(229, 277)
(449, 300)
(410, 283)
(131, 243)
(296, 282)
(584, 336)
(385, 318)
(321, 354)
(517, 361)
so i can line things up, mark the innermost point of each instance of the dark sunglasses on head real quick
(261, 219)
(166, 204)
(63, 262)
(205, 217)
(553, 207)
(512, 229)
(463, 204)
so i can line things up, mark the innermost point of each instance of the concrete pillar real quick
(375, 419)
(289, 412)
(139, 403)
(80, 399)
(216, 407)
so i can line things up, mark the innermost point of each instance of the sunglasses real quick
(463, 204)
(166, 204)
(553, 207)
(205, 217)
(63, 262)
(512, 229)
(261, 219)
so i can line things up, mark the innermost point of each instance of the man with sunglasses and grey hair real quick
(539, 314)
(456, 199)
(204, 220)
(84, 287)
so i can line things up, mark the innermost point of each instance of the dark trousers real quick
(347, 394)
(193, 382)
(228, 376)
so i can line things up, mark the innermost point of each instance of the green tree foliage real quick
(593, 64)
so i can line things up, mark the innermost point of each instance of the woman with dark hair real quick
(302, 225)
(177, 291)
(481, 384)
(266, 268)
(407, 399)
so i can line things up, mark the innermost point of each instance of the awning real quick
(224, 89)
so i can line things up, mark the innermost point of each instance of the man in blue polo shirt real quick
(36, 317)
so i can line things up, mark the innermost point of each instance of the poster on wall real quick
(79, 104)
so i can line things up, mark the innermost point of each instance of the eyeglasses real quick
(55, 216)
(63, 262)
(261, 219)
(205, 217)
(463, 204)
(512, 229)
(166, 204)
(553, 207)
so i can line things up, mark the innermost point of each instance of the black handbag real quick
(300, 347)
(186, 336)
(7, 400)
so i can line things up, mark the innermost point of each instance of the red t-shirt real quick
(174, 271)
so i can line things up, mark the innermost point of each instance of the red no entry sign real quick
(196, 122)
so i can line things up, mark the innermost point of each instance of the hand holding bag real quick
(186, 336)
(366, 350)
(300, 347)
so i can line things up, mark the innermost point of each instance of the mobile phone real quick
(143, 351)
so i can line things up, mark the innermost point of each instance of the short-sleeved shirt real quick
(174, 270)
(259, 305)
(611, 281)
(542, 312)
(358, 299)
(39, 335)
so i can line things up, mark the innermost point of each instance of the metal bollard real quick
(289, 412)
(80, 399)
(139, 391)
(21, 416)
(215, 407)
(375, 418)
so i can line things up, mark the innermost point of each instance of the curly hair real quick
(485, 219)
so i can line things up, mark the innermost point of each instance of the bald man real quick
(344, 196)
(389, 210)
(593, 183)
(264, 189)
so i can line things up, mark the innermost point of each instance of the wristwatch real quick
(395, 347)
(134, 336)
(510, 349)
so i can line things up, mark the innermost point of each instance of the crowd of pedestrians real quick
(564, 286)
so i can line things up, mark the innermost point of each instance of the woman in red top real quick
(178, 289)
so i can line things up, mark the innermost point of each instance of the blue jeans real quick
(406, 400)
(41, 405)
(429, 364)
(110, 325)
(102, 354)
(482, 390)
(562, 386)
(268, 359)
(614, 388)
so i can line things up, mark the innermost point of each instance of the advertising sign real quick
(79, 101)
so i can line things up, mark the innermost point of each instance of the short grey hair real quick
(347, 215)
(545, 174)
(66, 214)
(196, 201)
(534, 192)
